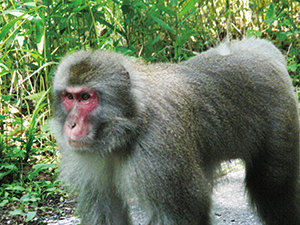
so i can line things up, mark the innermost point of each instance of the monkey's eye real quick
(85, 96)
(69, 96)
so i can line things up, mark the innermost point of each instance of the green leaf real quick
(28, 198)
(46, 127)
(167, 10)
(163, 24)
(39, 167)
(43, 166)
(156, 39)
(270, 15)
(16, 212)
(39, 28)
(36, 96)
(9, 167)
(30, 4)
(30, 215)
(182, 38)
(293, 67)
(3, 174)
(187, 6)
(8, 26)
(282, 35)
(4, 202)
(37, 22)
(15, 188)
(39, 106)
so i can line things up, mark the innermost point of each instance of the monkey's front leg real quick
(102, 207)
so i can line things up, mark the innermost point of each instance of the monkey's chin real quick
(76, 144)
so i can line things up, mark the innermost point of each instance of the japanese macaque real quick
(146, 139)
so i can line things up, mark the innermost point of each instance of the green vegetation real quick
(34, 35)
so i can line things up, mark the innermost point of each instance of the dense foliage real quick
(34, 35)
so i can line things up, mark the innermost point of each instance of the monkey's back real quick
(231, 97)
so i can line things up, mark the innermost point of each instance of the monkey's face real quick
(79, 102)
(94, 109)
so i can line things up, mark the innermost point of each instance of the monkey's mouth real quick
(76, 143)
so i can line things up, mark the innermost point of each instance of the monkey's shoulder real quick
(166, 76)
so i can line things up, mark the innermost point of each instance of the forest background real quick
(35, 35)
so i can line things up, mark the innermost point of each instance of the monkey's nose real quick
(71, 124)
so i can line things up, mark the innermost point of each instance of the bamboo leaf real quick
(8, 26)
(188, 6)
(162, 24)
(270, 15)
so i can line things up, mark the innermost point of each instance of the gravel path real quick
(230, 204)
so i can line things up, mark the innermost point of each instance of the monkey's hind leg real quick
(272, 180)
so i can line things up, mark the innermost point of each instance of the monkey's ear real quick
(127, 77)
(125, 74)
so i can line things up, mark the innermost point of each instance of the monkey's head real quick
(93, 103)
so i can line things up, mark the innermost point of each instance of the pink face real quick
(79, 103)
